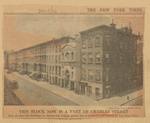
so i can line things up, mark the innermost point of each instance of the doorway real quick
(82, 89)
(67, 79)
(72, 86)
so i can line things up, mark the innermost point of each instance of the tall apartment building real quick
(98, 62)
(108, 60)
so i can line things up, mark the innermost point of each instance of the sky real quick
(21, 31)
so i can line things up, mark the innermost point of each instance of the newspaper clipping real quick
(72, 62)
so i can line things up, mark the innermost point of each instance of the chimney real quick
(112, 24)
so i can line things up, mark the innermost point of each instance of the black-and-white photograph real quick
(73, 59)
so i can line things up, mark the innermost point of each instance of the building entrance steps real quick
(83, 100)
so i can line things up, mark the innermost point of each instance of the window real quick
(44, 68)
(50, 79)
(72, 73)
(59, 71)
(44, 49)
(90, 58)
(53, 49)
(107, 58)
(83, 58)
(90, 90)
(72, 55)
(97, 76)
(84, 44)
(56, 70)
(90, 43)
(49, 69)
(67, 56)
(49, 58)
(62, 56)
(59, 48)
(56, 49)
(49, 49)
(59, 58)
(90, 75)
(53, 70)
(107, 74)
(97, 91)
(56, 59)
(97, 41)
(83, 74)
(53, 58)
(98, 57)
(107, 40)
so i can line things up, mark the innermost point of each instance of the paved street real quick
(31, 94)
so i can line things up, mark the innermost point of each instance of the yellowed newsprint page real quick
(73, 62)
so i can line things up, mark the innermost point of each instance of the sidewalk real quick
(82, 100)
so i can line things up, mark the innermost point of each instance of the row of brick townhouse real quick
(98, 62)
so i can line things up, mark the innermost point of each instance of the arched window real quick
(67, 55)
(72, 55)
